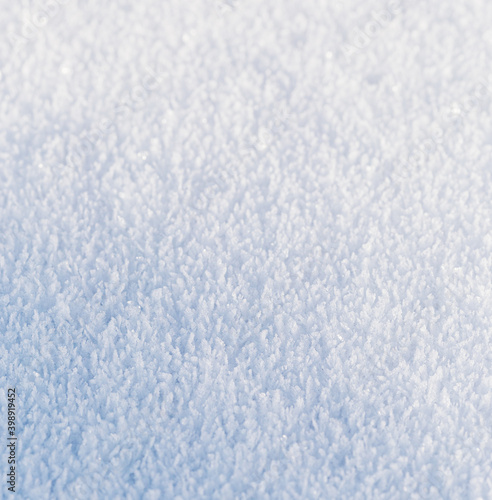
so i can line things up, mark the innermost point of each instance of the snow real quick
(246, 248)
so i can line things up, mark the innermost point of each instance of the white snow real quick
(246, 248)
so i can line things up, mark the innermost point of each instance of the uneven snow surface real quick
(246, 248)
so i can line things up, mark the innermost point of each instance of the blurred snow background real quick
(246, 248)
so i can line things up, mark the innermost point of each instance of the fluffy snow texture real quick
(246, 248)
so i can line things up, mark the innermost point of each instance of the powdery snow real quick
(246, 248)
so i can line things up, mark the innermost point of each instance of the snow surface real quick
(246, 248)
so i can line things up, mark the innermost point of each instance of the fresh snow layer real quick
(246, 248)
